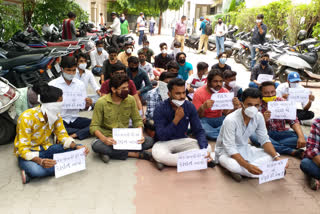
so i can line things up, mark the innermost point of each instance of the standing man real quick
(141, 24)
(258, 37)
(204, 37)
(181, 28)
(98, 56)
(69, 31)
(116, 30)
(220, 30)
(101, 20)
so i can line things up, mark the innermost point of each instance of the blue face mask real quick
(100, 49)
(223, 60)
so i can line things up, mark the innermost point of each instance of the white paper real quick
(74, 99)
(272, 171)
(264, 78)
(127, 138)
(282, 110)
(299, 95)
(222, 101)
(192, 160)
(69, 162)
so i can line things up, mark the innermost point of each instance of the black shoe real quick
(104, 158)
(211, 164)
(145, 155)
(237, 177)
(160, 166)
(299, 154)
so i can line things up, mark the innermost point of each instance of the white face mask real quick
(251, 111)
(232, 84)
(129, 51)
(164, 51)
(178, 103)
(52, 110)
(83, 66)
(294, 85)
(214, 91)
(258, 20)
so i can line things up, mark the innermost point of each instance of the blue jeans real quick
(80, 127)
(212, 126)
(141, 33)
(253, 56)
(253, 85)
(220, 44)
(310, 168)
(34, 170)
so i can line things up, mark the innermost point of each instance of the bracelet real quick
(276, 156)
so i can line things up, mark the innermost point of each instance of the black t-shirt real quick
(161, 62)
(257, 38)
(216, 66)
(107, 68)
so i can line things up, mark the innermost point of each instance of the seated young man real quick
(211, 120)
(145, 66)
(114, 110)
(198, 79)
(232, 151)
(284, 141)
(148, 51)
(231, 84)
(171, 119)
(34, 127)
(173, 67)
(109, 64)
(185, 68)
(221, 65)
(126, 54)
(310, 165)
(77, 127)
(162, 59)
(283, 91)
(97, 57)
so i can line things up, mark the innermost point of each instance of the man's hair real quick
(128, 44)
(167, 75)
(175, 82)
(101, 14)
(265, 84)
(260, 16)
(220, 18)
(133, 59)
(179, 54)
(99, 42)
(251, 92)
(141, 53)
(146, 42)
(172, 64)
(68, 62)
(183, 17)
(163, 44)
(112, 50)
(48, 94)
(82, 55)
(202, 66)
(213, 73)
(220, 55)
(265, 55)
(118, 67)
(71, 15)
(177, 44)
(117, 80)
(228, 73)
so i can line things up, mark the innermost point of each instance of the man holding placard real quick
(213, 102)
(284, 141)
(111, 116)
(233, 151)
(292, 90)
(74, 99)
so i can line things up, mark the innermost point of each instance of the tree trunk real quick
(160, 23)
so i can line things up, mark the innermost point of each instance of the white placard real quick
(127, 138)
(192, 160)
(299, 95)
(222, 101)
(74, 100)
(282, 110)
(272, 171)
(264, 78)
(69, 162)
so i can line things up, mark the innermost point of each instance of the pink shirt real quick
(202, 95)
(180, 28)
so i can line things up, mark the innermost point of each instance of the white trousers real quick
(166, 152)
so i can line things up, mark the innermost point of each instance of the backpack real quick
(208, 29)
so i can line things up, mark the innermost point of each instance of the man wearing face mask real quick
(97, 57)
(148, 51)
(163, 58)
(283, 91)
(176, 49)
(128, 52)
(77, 127)
(221, 65)
(284, 140)
(258, 37)
(171, 119)
(220, 30)
(145, 66)
(141, 24)
(185, 68)
(211, 120)
(119, 108)
(204, 37)
(233, 152)
(181, 28)
(231, 84)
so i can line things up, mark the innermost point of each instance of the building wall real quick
(94, 8)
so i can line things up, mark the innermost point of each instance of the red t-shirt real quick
(202, 95)
(105, 89)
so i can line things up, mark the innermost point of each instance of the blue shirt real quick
(166, 130)
(203, 26)
(138, 80)
(184, 70)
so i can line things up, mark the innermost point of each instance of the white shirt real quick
(234, 136)
(69, 115)
(141, 23)
(87, 78)
(116, 27)
(196, 82)
(97, 59)
(283, 88)
(148, 69)
(221, 30)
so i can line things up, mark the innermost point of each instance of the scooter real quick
(192, 41)
(121, 40)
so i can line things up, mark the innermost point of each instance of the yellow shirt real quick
(123, 57)
(33, 131)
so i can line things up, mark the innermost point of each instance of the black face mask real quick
(134, 69)
(220, 22)
(182, 61)
(142, 60)
(124, 94)
(264, 62)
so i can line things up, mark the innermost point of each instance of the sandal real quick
(314, 184)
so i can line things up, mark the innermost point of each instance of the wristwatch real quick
(276, 156)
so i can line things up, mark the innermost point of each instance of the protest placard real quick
(222, 101)
(299, 95)
(74, 100)
(272, 171)
(69, 162)
(264, 78)
(282, 110)
(127, 138)
(192, 160)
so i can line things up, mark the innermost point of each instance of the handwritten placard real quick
(127, 139)
(282, 110)
(192, 160)
(264, 78)
(299, 95)
(69, 162)
(222, 101)
(74, 100)
(272, 171)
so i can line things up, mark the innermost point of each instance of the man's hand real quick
(267, 115)
(190, 90)
(208, 104)
(47, 163)
(285, 96)
(88, 102)
(311, 98)
(209, 158)
(254, 170)
(259, 24)
(141, 141)
(278, 158)
(86, 150)
(301, 142)
(236, 102)
(109, 141)
(99, 93)
(178, 115)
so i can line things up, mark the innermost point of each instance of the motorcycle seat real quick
(64, 44)
(309, 58)
(194, 37)
(7, 64)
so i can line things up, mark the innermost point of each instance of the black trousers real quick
(114, 41)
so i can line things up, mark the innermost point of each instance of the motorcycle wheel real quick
(212, 47)
(7, 131)
(283, 76)
(246, 61)
(237, 57)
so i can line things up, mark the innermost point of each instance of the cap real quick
(294, 77)
(141, 13)
(201, 18)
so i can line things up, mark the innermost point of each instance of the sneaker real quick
(145, 155)
(235, 176)
(104, 158)
(211, 164)
(306, 122)
(314, 184)
(25, 177)
(160, 166)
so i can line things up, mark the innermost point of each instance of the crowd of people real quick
(171, 102)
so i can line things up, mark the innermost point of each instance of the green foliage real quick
(316, 31)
